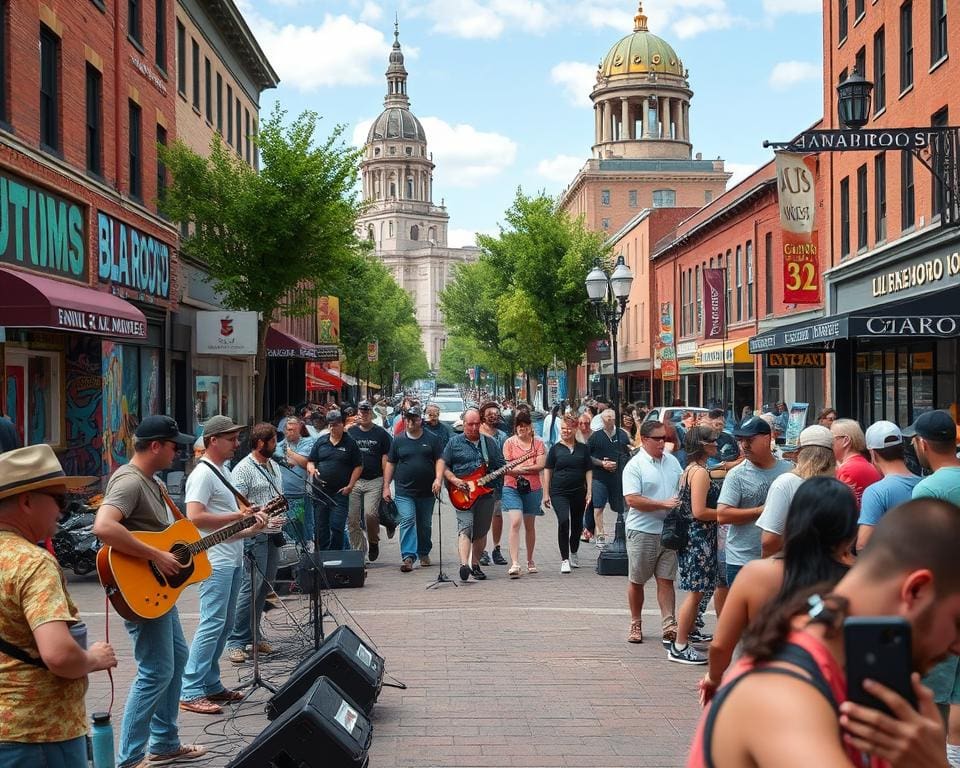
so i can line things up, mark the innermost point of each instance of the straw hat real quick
(34, 467)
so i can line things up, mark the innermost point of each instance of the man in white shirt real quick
(651, 480)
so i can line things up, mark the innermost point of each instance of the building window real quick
(664, 198)
(94, 120)
(879, 71)
(906, 45)
(633, 198)
(160, 35)
(845, 216)
(181, 59)
(749, 279)
(699, 301)
(390, 230)
(393, 150)
(136, 156)
(605, 223)
(49, 89)
(161, 166)
(938, 30)
(880, 195)
(860, 62)
(708, 196)
(858, 10)
(134, 24)
(739, 283)
(208, 89)
(727, 301)
(230, 115)
(256, 147)
(908, 202)
(36, 408)
(408, 151)
(239, 130)
(843, 16)
(683, 304)
(604, 197)
(219, 103)
(862, 207)
(939, 120)
(768, 271)
(246, 125)
(195, 50)
(414, 232)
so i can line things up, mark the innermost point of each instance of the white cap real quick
(883, 434)
(816, 435)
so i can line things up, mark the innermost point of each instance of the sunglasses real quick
(658, 438)
(710, 442)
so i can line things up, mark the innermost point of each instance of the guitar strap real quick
(266, 477)
(241, 499)
(174, 510)
(484, 454)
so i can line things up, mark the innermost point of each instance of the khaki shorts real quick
(647, 558)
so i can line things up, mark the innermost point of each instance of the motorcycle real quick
(74, 544)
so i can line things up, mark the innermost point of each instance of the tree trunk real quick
(260, 374)
(572, 392)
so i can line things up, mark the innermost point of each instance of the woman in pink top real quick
(523, 502)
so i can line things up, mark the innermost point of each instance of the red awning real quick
(28, 300)
(281, 344)
(320, 379)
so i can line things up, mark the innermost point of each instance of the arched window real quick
(414, 232)
(370, 232)
(432, 234)
(410, 188)
(391, 229)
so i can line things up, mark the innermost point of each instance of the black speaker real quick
(323, 728)
(341, 568)
(346, 661)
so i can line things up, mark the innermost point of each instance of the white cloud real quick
(740, 171)
(561, 168)
(691, 25)
(786, 74)
(371, 12)
(485, 18)
(577, 80)
(464, 156)
(781, 7)
(459, 238)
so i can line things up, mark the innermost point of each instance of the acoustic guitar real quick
(136, 587)
(477, 482)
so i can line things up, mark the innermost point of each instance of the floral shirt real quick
(35, 704)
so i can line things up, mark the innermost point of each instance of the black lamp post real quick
(853, 100)
(609, 294)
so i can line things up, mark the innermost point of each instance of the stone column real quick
(607, 121)
(686, 121)
(598, 123)
(626, 129)
(645, 120)
(668, 118)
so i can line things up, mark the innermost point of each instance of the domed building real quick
(642, 156)
(408, 230)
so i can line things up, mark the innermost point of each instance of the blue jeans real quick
(150, 714)
(71, 753)
(331, 520)
(732, 571)
(416, 525)
(265, 554)
(218, 603)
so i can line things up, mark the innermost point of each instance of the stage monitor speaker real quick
(323, 728)
(343, 658)
(341, 568)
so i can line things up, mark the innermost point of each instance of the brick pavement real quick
(528, 672)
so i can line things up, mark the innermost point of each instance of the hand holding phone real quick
(878, 648)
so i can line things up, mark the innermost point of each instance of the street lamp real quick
(609, 294)
(853, 100)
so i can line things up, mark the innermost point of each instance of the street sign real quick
(847, 140)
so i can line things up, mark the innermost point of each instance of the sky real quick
(502, 86)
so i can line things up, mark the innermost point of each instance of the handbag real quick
(388, 513)
(523, 485)
(676, 525)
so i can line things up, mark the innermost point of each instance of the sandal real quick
(226, 695)
(186, 752)
(531, 567)
(202, 706)
(514, 572)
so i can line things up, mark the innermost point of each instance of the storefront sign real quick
(714, 355)
(147, 71)
(714, 308)
(796, 360)
(797, 199)
(863, 139)
(598, 350)
(915, 274)
(686, 349)
(325, 352)
(101, 324)
(41, 231)
(226, 333)
(666, 352)
(129, 258)
(941, 326)
(814, 334)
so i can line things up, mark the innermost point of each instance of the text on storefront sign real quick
(796, 360)
(75, 320)
(132, 259)
(929, 271)
(946, 326)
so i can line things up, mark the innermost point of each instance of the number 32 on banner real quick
(801, 279)
(801, 276)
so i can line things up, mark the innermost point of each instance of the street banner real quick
(714, 307)
(598, 350)
(795, 423)
(396, 381)
(328, 320)
(373, 351)
(797, 199)
(666, 352)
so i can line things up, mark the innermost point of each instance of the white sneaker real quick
(600, 541)
(565, 566)
(574, 560)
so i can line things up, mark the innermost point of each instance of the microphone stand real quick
(317, 495)
(442, 577)
(257, 681)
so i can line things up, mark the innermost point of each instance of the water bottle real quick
(102, 738)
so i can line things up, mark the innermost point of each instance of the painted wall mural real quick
(84, 411)
(118, 424)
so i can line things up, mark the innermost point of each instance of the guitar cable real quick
(106, 632)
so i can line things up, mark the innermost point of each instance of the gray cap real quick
(333, 417)
(220, 425)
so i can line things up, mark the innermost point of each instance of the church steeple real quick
(396, 74)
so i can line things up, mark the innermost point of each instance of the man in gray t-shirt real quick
(744, 493)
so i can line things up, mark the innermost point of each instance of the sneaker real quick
(264, 647)
(687, 656)
(497, 556)
(586, 536)
(484, 558)
(407, 565)
(478, 574)
(600, 540)
(669, 636)
(465, 573)
(699, 636)
(514, 572)
(425, 561)
(237, 655)
(374, 552)
(565, 566)
(636, 632)
(574, 560)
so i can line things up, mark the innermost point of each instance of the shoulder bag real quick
(676, 525)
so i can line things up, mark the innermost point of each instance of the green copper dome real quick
(641, 53)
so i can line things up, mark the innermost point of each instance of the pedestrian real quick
(698, 560)
(849, 446)
(651, 481)
(364, 500)
(551, 425)
(727, 455)
(609, 452)
(814, 459)
(795, 712)
(884, 441)
(567, 482)
(490, 426)
(629, 424)
(335, 464)
(291, 455)
(826, 417)
(583, 428)
(820, 529)
(782, 419)
(744, 493)
(522, 489)
(433, 425)
(9, 438)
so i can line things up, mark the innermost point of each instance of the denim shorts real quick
(528, 503)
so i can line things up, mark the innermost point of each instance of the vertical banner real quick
(373, 351)
(666, 352)
(328, 320)
(797, 200)
(714, 308)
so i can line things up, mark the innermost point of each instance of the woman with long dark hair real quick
(629, 424)
(821, 529)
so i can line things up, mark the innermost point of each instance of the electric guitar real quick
(477, 482)
(137, 588)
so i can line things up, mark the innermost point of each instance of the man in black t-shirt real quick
(336, 463)
(373, 442)
(609, 453)
(414, 465)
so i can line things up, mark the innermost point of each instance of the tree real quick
(263, 235)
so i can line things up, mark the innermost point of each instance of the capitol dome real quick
(641, 52)
(396, 123)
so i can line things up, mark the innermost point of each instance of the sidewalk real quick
(528, 672)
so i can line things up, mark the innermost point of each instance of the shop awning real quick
(281, 344)
(28, 300)
(319, 379)
(725, 353)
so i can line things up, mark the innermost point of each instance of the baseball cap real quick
(219, 425)
(412, 412)
(334, 416)
(751, 427)
(161, 428)
(883, 434)
(365, 405)
(933, 425)
(815, 435)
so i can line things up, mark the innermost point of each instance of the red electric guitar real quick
(477, 482)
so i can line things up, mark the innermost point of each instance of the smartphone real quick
(878, 648)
